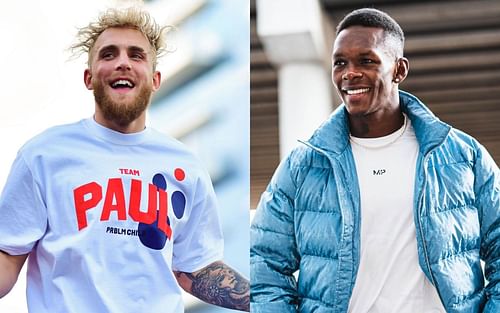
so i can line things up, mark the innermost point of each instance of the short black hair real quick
(368, 17)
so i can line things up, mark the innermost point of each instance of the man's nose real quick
(350, 75)
(123, 62)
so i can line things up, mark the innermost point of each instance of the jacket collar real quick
(333, 135)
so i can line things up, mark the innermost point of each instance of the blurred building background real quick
(454, 52)
(203, 101)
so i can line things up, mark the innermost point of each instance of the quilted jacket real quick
(308, 221)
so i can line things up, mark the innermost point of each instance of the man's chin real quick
(122, 114)
(122, 109)
(356, 110)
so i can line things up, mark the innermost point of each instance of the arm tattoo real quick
(220, 285)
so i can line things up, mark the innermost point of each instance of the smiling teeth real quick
(357, 91)
(122, 82)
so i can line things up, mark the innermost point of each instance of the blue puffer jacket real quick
(308, 220)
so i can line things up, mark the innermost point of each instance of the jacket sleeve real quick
(273, 253)
(487, 187)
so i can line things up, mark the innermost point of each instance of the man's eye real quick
(339, 63)
(367, 61)
(137, 56)
(107, 55)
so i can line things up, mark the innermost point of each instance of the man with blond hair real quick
(114, 216)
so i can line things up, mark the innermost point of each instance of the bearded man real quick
(114, 216)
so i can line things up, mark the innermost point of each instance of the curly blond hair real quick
(132, 17)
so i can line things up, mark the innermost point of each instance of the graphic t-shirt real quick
(107, 217)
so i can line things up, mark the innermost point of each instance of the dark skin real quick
(218, 284)
(366, 72)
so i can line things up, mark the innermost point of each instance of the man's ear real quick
(87, 79)
(156, 80)
(402, 68)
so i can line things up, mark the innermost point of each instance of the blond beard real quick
(121, 113)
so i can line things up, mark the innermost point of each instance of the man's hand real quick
(217, 284)
(10, 266)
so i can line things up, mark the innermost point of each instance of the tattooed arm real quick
(217, 284)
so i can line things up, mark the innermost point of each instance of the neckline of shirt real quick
(384, 141)
(113, 136)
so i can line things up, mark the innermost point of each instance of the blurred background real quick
(203, 101)
(454, 52)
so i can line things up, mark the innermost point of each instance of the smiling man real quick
(122, 92)
(111, 215)
(385, 208)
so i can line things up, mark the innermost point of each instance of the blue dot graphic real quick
(178, 204)
(160, 181)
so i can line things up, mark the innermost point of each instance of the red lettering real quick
(89, 195)
(127, 171)
(82, 205)
(114, 192)
(162, 216)
(135, 203)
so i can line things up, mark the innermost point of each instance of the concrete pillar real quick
(297, 39)
(304, 101)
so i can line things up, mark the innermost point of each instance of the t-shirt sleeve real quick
(200, 241)
(23, 215)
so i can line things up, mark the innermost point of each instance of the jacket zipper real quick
(420, 202)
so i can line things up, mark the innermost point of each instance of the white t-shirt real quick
(389, 278)
(107, 217)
